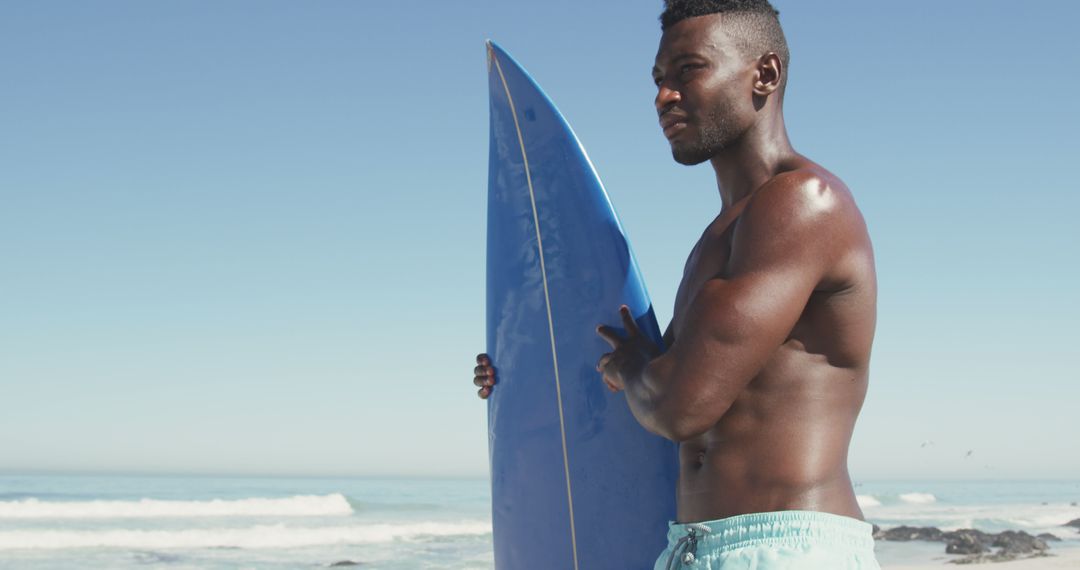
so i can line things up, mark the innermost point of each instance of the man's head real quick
(719, 64)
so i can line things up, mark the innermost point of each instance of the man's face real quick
(705, 88)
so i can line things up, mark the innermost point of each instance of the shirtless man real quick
(768, 351)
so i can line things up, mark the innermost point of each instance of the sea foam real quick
(261, 536)
(1033, 519)
(918, 498)
(867, 501)
(296, 506)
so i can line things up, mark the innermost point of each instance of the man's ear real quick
(770, 74)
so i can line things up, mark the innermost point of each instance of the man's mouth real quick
(672, 123)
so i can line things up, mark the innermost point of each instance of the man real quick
(768, 350)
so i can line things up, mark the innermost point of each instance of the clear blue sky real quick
(248, 236)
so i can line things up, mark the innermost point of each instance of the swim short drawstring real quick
(689, 546)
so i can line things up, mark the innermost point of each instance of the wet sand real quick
(1061, 559)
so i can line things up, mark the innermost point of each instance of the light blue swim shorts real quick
(783, 540)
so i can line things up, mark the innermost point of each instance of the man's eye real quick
(689, 67)
(657, 81)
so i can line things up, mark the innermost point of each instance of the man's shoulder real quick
(805, 199)
(808, 212)
(803, 194)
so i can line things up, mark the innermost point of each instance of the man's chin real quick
(688, 156)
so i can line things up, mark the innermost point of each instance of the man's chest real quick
(709, 259)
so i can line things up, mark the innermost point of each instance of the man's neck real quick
(760, 154)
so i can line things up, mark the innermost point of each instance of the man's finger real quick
(483, 360)
(628, 321)
(600, 364)
(607, 333)
(482, 381)
(483, 393)
(483, 370)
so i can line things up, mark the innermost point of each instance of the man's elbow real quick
(680, 426)
(674, 413)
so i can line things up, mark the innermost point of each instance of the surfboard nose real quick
(493, 51)
(489, 49)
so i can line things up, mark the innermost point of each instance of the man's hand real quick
(484, 376)
(630, 356)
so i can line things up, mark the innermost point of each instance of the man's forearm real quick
(647, 391)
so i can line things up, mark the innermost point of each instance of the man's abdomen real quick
(781, 446)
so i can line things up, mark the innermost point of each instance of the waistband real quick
(777, 528)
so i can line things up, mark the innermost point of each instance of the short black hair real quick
(756, 23)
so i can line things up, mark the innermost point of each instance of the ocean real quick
(233, 523)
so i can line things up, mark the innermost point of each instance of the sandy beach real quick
(1069, 558)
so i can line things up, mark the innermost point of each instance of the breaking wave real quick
(296, 506)
(260, 536)
(867, 501)
(918, 498)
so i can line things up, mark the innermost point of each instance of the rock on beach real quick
(977, 546)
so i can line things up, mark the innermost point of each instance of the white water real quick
(918, 498)
(297, 506)
(1034, 507)
(274, 536)
(188, 523)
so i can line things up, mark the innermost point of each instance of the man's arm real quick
(790, 233)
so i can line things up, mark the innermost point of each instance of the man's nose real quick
(665, 98)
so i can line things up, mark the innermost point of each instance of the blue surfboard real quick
(576, 482)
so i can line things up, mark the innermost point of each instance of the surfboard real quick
(576, 482)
